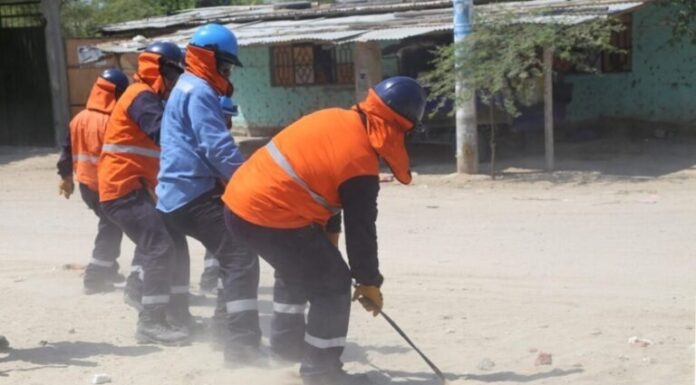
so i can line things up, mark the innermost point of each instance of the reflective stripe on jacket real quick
(320, 152)
(129, 157)
(295, 181)
(198, 152)
(87, 132)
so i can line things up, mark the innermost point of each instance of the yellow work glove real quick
(66, 187)
(370, 297)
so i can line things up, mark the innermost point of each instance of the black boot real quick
(218, 323)
(152, 328)
(133, 292)
(98, 279)
(114, 275)
(209, 279)
(4, 344)
(179, 316)
(92, 285)
(239, 356)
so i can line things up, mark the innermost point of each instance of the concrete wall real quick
(265, 109)
(661, 87)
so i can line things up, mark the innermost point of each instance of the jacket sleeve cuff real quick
(375, 280)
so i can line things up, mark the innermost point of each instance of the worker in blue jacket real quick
(211, 271)
(198, 156)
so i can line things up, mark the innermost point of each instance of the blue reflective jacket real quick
(197, 151)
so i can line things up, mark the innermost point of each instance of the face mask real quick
(225, 68)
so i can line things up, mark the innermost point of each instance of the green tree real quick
(501, 62)
(682, 19)
(84, 18)
(78, 18)
(502, 59)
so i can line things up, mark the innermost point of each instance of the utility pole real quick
(467, 136)
(548, 109)
(58, 74)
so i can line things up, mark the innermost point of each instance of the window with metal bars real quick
(21, 14)
(623, 40)
(311, 64)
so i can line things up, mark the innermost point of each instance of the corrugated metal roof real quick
(286, 38)
(399, 33)
(368, 27)
(246, 14)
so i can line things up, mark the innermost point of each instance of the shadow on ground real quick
(602, 160)
(359, 353)
(426, 378)
(521, 378)
(63, 354)
(9, 154)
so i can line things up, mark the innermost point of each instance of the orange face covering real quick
(201, 62)
(386, 130)
(149, 72)
(102, 98)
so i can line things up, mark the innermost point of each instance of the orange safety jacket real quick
(87, 132)
(130, 159)
(294, 180)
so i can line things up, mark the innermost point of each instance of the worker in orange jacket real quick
(80, 156)
(127, 175)
(280, 201)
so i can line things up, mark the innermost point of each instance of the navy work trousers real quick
(137, 217)
(107, 243)
(203, 219)
(308, 268)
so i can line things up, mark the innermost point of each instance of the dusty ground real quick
(482, 275)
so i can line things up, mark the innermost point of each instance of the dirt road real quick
(482, 275)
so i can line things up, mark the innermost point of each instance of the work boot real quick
(218, 331)
(209, 279)
(240, 356)
(133, 292)
(197, 299)
(286, 356)
(4, 344)
(152, 328)
(114, 275)
(99, 279)
(180, 318)
(97, 286)
(277, 360)
(336, 378)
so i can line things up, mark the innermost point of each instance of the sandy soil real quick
(482, 275)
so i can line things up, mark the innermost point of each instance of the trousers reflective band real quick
(128, 149)
(288, 308)
(279, 158)
(180, 289)
(241, 305)
(323, 343)
(212, 262)
(155, 299)
(86, 158)
(138, 269)
(97, 262)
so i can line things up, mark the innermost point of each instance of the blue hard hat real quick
(169, 52)
(219, 39)
(116, 77)
(228, 106)
(403, 95)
